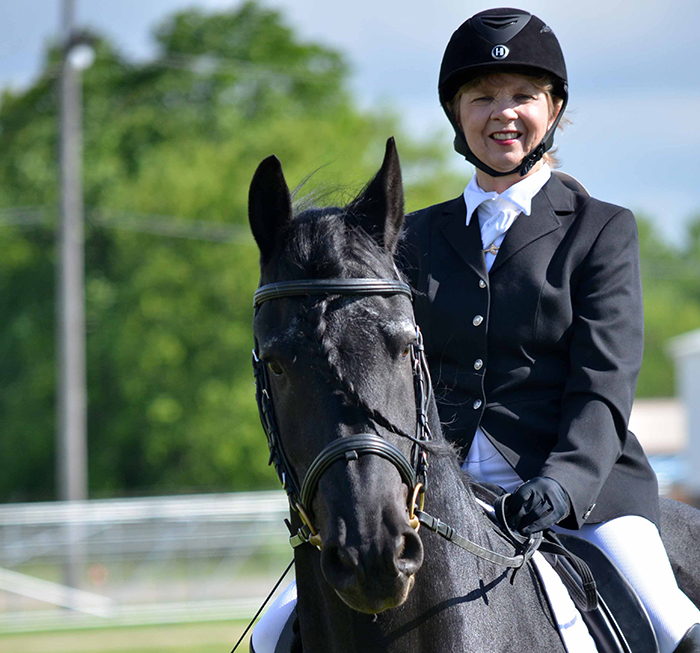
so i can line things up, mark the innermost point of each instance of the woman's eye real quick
(275, 368)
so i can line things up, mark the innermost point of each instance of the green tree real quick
(671, 280)
(170, 148)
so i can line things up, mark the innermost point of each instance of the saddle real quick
(621, 623)
(617, 620)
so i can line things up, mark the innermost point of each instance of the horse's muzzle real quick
(374, 580)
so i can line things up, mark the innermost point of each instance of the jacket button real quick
(478, 364)
(477, 320)
(482, 283)
(477, 404)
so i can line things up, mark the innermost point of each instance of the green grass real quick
(218, 637)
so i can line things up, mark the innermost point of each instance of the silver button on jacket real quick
(477, 320)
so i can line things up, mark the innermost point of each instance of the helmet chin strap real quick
(529, 160)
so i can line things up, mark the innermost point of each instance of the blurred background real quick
(154, 522)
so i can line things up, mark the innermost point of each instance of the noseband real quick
(413, 474)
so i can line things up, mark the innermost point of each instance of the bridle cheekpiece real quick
(413, 474)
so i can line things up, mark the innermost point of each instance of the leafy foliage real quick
(170, 147)
(671, 279)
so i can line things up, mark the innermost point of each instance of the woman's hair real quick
(543, 82)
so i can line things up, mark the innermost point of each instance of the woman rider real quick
(530, 303)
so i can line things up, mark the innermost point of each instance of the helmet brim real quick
(451, 84)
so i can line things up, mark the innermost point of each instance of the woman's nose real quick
(504, 111)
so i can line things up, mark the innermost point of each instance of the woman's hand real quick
(536, 505)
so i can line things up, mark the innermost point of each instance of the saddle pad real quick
(601, 630)
(274, 630)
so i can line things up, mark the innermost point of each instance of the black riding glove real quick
(536, 505)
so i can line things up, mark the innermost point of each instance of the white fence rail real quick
(138, 561)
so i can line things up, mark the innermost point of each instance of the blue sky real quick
(633, 74)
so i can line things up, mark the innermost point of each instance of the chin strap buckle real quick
(531, 159)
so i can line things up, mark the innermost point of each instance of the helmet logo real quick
(500, 52)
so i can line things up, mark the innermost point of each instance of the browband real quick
(330, 287)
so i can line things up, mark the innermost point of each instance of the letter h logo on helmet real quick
(500, 52)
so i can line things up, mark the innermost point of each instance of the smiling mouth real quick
(505, 136)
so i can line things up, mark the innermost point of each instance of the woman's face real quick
(504, 117)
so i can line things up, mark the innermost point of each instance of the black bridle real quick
(413, 473)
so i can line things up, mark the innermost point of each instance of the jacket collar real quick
(466, 240)
(554, 199)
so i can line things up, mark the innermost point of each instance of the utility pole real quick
(71, 376)
(72, 393)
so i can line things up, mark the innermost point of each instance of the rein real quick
(413, 474)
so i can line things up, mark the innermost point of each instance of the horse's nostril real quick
(338, 564)
(410, 556)
(344, 559)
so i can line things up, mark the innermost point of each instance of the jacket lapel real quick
(543, 219)
(465, 240)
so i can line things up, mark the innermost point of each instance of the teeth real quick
(505, 136)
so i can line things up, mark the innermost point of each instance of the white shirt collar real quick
(518, 195)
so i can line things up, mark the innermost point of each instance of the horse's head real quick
(338, 364)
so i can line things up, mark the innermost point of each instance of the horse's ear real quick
(269, 205)
(379, 210)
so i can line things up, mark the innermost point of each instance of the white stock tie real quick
(495, 218)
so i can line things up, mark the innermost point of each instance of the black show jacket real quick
(544, 351)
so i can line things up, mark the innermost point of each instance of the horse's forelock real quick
(322, 243)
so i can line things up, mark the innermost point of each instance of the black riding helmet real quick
(502, 40)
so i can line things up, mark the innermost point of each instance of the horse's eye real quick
(406, 352)
(275, 368)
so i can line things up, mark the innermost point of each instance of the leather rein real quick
(413, 473)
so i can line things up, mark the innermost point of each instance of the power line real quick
(207, 65)
(160, 225)
(156, 225)
(27, 216)
(209, 231)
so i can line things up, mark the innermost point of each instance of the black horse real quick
(340, 366)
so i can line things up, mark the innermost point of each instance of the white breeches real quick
(633, 543)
